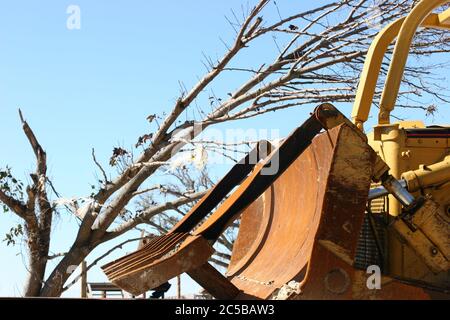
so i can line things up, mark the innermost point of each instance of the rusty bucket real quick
(299, 227)
(298, 240)
(329, 180)
(319, 201)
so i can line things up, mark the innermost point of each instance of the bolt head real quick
(433, 251)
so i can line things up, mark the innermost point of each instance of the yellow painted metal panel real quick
(375, 55)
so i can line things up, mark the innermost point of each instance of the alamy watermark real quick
(374, 280)
(204, 150)
(73, 21)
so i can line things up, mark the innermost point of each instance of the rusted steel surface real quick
(326, 187)
(214, 282)
(299, 226)
(332, 278)
(234, 177)
(301, 234)
(191, 254)
(129, 266)
(254, 226)
(150, 252)
(261, 178)
(160, 260)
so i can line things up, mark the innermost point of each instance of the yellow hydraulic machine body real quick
(414, 153)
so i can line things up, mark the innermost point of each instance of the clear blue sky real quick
(95, 86)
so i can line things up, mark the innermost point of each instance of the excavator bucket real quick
(308, 219)
(299, 226)
(300, 238)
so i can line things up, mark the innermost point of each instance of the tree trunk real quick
(53, 286)
(35, 276)
(38, 246)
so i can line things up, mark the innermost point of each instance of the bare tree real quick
(317, 56)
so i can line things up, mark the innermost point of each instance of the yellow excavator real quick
(330, 213)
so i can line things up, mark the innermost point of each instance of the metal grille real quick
(367, 252)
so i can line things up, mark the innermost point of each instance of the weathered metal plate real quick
(321, 196)
(159, 260)
(297, 240)
(191, 254)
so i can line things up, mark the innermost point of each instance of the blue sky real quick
(95, 86)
